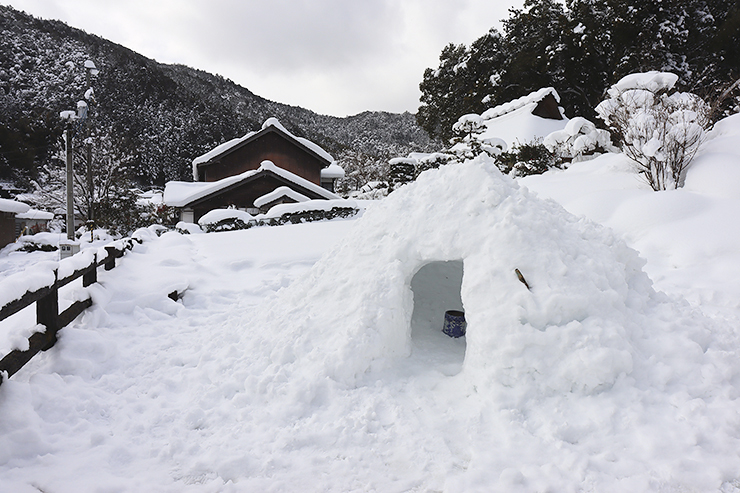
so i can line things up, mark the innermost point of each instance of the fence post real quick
(110, 262)
(91, 276)
(47, 314)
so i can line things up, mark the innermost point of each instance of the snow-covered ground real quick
(278, 371)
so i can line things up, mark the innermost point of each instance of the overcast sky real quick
(336, 57)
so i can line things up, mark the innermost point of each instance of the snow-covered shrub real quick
(531, 158)
(402, 171)
(186, 228)
(468, 144)
(580, 138)
(659, 128)
(224, 220)
(433, 161)
(373, 190)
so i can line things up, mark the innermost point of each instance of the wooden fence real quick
(47, 305)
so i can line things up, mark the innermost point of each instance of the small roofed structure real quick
(32, 221)
(8, 210)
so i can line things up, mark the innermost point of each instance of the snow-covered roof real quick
(181, 193)
(36, 215)
(269, 123)
(332, 171)
(530, 100)
(514, 122)
(310, 205)
(520, 126)
(7, 205)
(277, 193)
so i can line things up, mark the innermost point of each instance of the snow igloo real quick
(458, 235)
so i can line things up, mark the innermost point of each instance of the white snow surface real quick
(332, 171)
(309, 357)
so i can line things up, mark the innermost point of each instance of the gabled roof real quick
(518, 121)
(530, 101)
(270, 125)
(279, 193)
(184, 194)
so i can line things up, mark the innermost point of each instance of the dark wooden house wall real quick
(272, 147)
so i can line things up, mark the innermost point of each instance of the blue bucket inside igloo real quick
(454, 324)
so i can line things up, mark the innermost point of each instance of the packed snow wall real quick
(572, 330)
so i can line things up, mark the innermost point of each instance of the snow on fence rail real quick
(41, 286)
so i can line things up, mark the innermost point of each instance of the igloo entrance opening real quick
(436, 287)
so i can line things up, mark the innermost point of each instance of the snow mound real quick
(575, 331)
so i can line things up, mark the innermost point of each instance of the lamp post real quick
(74, 122)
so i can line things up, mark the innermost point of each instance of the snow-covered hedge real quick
(224, 220)
(302, 212)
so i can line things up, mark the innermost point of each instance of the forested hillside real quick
(151, 119)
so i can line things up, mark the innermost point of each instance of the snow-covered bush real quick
(373, 190)
(402, 171)
(186, 228)
(468, 144)
(659, 128)
(224, 220)
(579, 138)
(530, 158)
